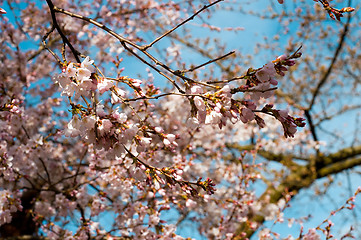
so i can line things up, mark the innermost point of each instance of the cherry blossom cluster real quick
(113, 131)
(218, 107)
(208, 108)
(9, 204)
(288, 122)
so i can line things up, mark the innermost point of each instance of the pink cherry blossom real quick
(196, 90)
(71, 70)
(87, 63)
(199, 103)
(104, 126)
(83, 74)
(119, 117)
(246, 115)
(262, 91)
(116, 97)
(213, 117)
(104, 85)
(266, 72)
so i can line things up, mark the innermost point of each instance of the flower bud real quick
(347, 9)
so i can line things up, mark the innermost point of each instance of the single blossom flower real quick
(213, 117)
(262, 90)
(136, 82)
(83, 74)
(282, 57)
(246, 115)
(104, 126)
(119, 117)
(199, 103)
(266, 72)
(73, 127)
(169, 140)
(104, 85)
(196, 90)
(70, 70)
(87, 63)
(117, 96)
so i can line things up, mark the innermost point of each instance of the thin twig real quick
(128, 105)
(125, 41)
(98, 24)
(46, 47)
(179, 25)
(56, 25)
(229, 80)
(312, 126)
(153, 97)
(46, 170)
(153, 67)
(209, 62)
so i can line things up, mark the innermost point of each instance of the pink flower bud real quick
(282, 57)
(198, 101)
(347, 9)
(246, 115)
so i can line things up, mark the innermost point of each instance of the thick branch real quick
(340, 156)
(338, 167)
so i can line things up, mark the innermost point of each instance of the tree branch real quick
(57, 27)
(338, 167)
(340, 156)
(182, 23)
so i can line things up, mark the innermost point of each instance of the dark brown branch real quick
(57, 27)
(99, 25)
(46, 47)
(310, 123)
(46, 170)
(124, 43)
